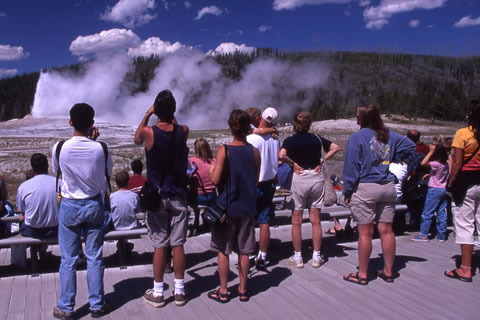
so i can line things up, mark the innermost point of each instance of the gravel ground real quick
(20, 138)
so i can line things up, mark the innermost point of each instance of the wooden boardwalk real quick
(420, 292)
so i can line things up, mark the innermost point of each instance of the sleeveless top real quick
(242, 182)
(169, 160)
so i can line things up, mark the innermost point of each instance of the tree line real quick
(410, 85)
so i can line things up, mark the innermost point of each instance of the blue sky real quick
(39, 34)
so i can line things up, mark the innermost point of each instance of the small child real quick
(437, 161)
(124, 204)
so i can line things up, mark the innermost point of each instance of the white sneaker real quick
(296, 262)
(317, 262)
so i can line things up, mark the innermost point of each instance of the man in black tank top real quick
(167, 157)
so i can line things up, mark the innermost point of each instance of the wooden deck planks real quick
(282, 292)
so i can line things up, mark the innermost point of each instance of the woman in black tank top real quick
(236, 175)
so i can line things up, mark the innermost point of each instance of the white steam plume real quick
(204, 95)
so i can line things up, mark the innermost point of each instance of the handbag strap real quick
(471, 157)
(322, 151)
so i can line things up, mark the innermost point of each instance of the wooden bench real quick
(20, 242)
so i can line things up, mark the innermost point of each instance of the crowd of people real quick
(379, 168)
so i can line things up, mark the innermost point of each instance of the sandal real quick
(354, 278)
(454, 275)
(245, 296)
(384, 277)
(219, 297)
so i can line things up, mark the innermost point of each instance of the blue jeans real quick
(81, 218)
(436, 201)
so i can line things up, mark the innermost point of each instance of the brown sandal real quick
(354, 278)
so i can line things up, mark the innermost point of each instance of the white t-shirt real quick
(82, 162)
(400, 171)
(38, 198)
(124, 204)
(268, 148)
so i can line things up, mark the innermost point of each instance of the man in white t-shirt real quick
(37, 199)
(84, 165)
(269, 148)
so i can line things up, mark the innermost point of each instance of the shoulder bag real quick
(216, 213)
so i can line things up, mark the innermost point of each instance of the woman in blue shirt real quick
(369, 187)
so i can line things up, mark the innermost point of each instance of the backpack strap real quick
(105, 153)
(59, 171)
(57, 156)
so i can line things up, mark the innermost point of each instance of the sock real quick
(298, 254)
(316, 254)
(157, 288)
(179, 286)
(262, 255)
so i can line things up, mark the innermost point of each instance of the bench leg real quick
(121, 248)
(34, 260)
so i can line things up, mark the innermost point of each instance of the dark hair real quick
(239, 123)
(82, 115)
(302, 121)
(202, 149)
(39, 163)
(369, 117)
(253, 113)
(440, 154)
(165, 106)
(414, 135)
(122, 178)
(137, 166)
(474, 118)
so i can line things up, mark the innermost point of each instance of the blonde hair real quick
(202, 150)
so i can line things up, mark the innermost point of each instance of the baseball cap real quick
(270, 115)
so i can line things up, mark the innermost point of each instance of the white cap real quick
(270, 115)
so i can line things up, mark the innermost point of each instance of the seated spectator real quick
(124, 204)
(38, 199)
(205, 189)
(420, 147)
(137, 181)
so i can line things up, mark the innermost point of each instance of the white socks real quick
(262, 255)
(157, 289)
(179, 286)
(298, 254)
(316, 254)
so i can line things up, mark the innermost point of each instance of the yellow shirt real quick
(465, 140)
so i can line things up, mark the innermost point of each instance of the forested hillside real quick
(411, 85)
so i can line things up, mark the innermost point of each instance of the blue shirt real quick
(367, 159)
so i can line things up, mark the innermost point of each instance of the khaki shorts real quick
(307, 190)
(374, 202)
(236, 236)
(167, 225)
(466, 215)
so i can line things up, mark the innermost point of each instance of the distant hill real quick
(409, 85)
